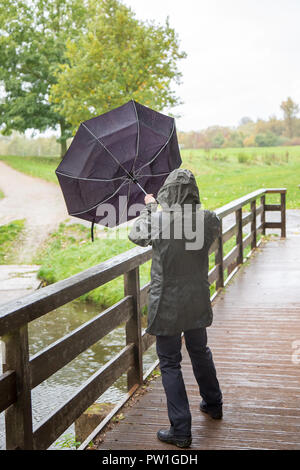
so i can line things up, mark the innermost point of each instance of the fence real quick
(22, 373)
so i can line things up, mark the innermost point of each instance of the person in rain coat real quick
(179, 296)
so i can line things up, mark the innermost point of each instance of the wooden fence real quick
(22, 373)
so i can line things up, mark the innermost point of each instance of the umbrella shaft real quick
(140, 187)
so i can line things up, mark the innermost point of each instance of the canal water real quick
(51, 394)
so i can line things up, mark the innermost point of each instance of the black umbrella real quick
(114, 159)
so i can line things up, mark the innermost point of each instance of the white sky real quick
(243, 56)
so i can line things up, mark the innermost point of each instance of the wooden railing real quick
(22, 373)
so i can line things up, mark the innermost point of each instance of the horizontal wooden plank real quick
(259, 209)
(213, 247)
(144, 295)
(8, 390)
(275, 190)
(272, 224)
(147, 341)
(63, 351)
(232, 230)
(213, 274)
(247, 240)
(60, 420)
(18, 312)
(230, 257)
(246, 219)
(272, 207)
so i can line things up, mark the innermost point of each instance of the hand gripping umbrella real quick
(116, 158)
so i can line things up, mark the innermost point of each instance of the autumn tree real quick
(290, 110)
(119, 58)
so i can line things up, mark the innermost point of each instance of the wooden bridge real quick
(254, 339)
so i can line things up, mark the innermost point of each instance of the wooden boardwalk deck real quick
(256, 320)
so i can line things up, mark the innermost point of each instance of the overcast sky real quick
(243, 56)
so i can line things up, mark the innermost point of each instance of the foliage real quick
(262, 133)
(80, 254)
(118, 59)
(266, 140)
(67, 441)
(9, 235)
(33, 34)
(290, 110)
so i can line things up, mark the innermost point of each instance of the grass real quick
(79, 253)
(222, 174)
(9, 235)
(243, 171)
(39, 167)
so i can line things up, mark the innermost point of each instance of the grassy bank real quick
(39, 167)
(79, 253)
(9, 235)
(222, 174)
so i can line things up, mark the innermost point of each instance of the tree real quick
(218, 140)
(266, 140)
(290, 110)
(120, 58)
(33, 34)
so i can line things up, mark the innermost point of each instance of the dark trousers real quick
(169, 352)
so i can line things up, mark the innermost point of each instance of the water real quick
(52, 393)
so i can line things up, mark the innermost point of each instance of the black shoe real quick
(215, 412)
(165, 435)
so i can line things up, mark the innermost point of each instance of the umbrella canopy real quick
(114, 159)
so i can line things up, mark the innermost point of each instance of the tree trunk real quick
(63, 147)
(63, 140)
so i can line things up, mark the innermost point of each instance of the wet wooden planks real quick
(256, 321)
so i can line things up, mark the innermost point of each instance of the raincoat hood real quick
(179, 188)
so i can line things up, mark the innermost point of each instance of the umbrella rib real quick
(101, 202)
(108, 151)
(158, 153)
(126, 205)
(158, 174)
(138, 137)
(89, 179)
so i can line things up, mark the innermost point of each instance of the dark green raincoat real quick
(179, 296)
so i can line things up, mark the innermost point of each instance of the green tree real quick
(266, 140)
(290, 110)
(218, 140)
(119, 58)
(33, 34)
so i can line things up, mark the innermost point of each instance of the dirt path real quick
(39, 202)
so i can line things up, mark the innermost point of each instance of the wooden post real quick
(239, 236)
(253, 224)
(219, 260)
(283, 214)
(133, 327)
(18, 417)
(263, 214)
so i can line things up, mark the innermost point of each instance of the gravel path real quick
(39, 202)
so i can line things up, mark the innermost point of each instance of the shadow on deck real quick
(253, 340)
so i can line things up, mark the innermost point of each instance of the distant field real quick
(225, 174)
(222, 174)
